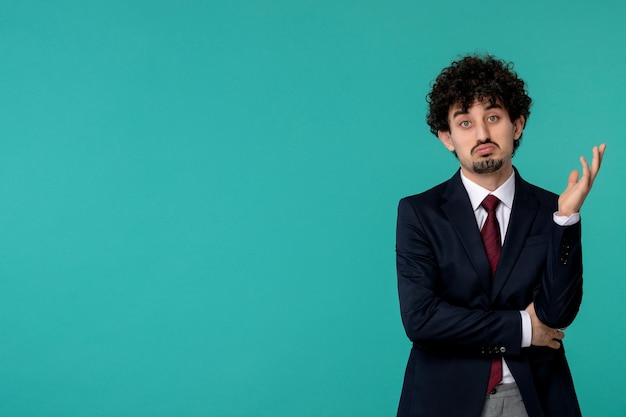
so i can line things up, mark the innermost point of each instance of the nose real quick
(482, 131)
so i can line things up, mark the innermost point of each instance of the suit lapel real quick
(458, 209)
(523, 214)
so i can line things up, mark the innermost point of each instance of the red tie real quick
(491, 240)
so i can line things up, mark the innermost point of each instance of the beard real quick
(487, 166)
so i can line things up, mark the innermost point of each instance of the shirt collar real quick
(477, 194)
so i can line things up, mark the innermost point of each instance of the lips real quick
(485, 149)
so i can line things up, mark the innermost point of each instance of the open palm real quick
(572, 199)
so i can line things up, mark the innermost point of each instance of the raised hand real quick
(572, 199)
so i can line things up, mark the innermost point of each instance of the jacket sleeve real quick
(430, 320)
(557, 300)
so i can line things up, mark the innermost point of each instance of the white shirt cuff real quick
(566, 220)
(527, 329)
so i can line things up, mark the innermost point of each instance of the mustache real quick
(484, 142)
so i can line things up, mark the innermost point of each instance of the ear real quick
(518, 127)
(445, 138)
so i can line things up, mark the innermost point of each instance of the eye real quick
(464, 123)
(493, 118)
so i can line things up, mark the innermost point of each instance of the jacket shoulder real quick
(431, 195)
(541, 194)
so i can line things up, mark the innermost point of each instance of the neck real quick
(490, 180)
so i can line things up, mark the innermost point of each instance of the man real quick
(489, 266)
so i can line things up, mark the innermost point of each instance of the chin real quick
(488, 165)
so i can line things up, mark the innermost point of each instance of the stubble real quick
(488, 165)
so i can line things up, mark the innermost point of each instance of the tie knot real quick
(490, 202)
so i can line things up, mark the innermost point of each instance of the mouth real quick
(485, 149)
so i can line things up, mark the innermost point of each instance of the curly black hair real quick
(476, 77)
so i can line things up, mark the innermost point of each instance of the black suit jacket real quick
(458, 318)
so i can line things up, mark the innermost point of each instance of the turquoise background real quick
(199, 197)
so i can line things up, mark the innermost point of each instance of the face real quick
(482, 138)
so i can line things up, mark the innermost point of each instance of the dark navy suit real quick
(458, 318)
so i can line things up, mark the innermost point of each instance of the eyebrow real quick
(461, 111)
(458, 113)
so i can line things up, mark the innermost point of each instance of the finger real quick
(585, 176)
(601, 150)
(554, 344)
(598, 154)
(559, 335)
(595, 163)
(573, 178)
